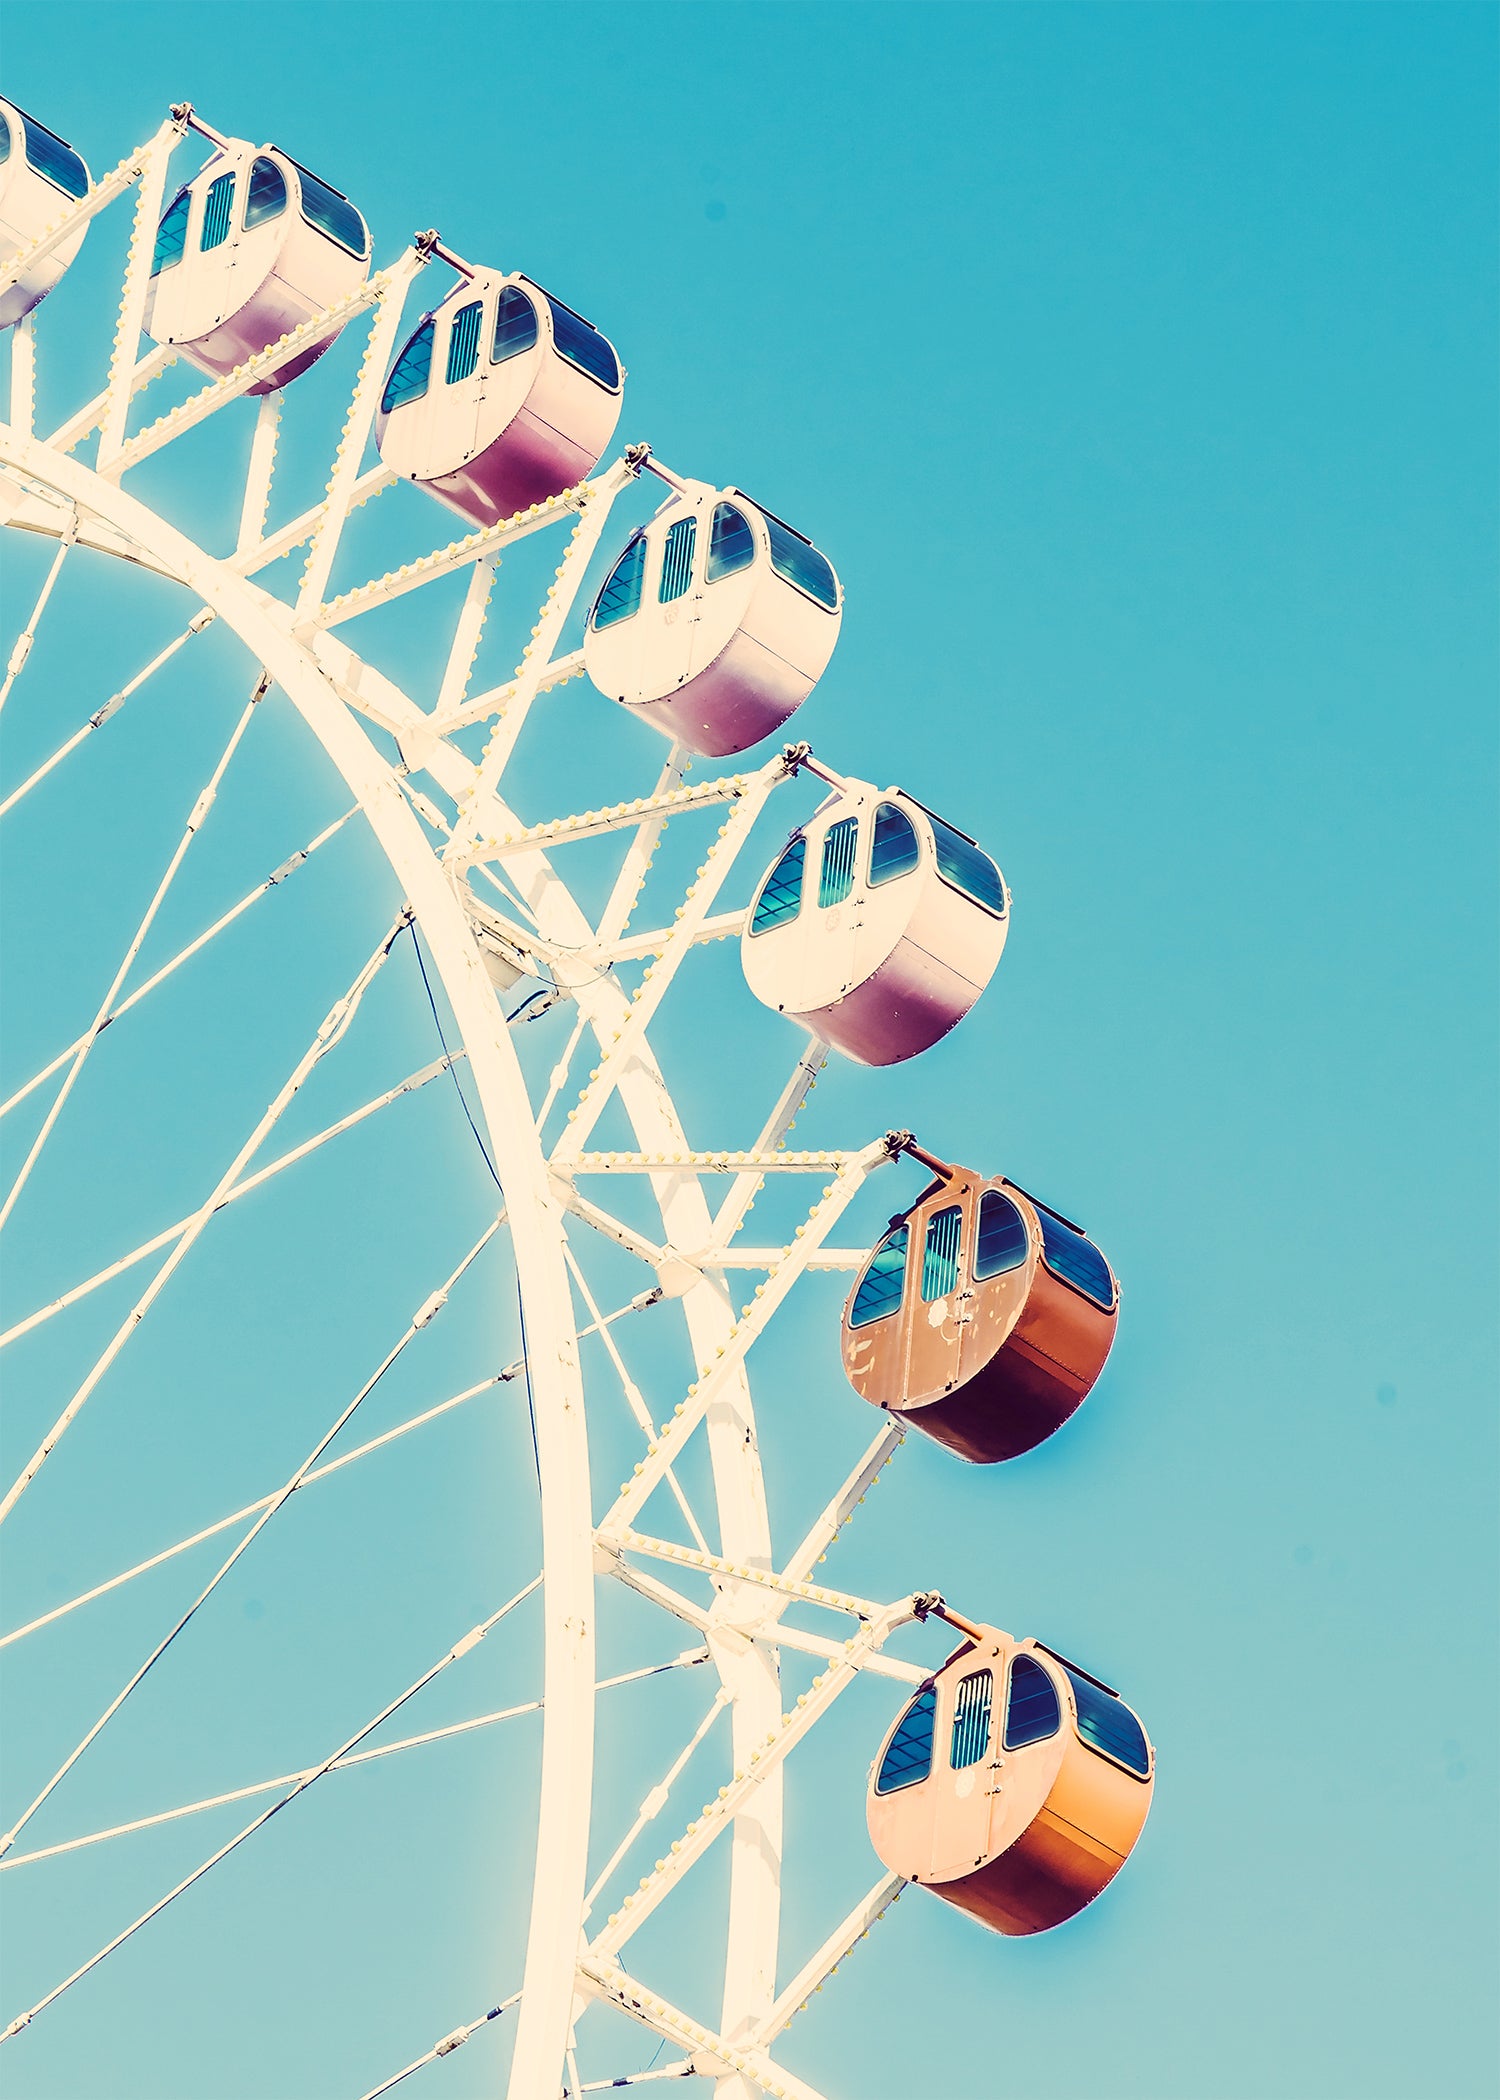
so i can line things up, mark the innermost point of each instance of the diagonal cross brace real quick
(719, 1815)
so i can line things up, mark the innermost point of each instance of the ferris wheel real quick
(624, 1095)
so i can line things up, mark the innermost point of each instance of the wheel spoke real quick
(304, 1781)
(328, 1036)
(105, 713)
(86, 1042)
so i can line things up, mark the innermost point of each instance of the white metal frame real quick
(742, 1631)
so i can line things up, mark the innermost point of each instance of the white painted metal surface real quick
(529, 912)
(245, 255)
(715, 623)
(501, 398)
(879, 958)
(38, 186)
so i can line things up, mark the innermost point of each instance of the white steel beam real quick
(209, 399)
(735, 1207)
(248, 561)
(23, 373)
(730, 1355)
(468, 629)
(712, 2054)
(815, 1972)
(718, 1815)
(711, 1162)
(88, 206)
(120, 385)
(545, 636)
(257, 496)
(18, 655)
(694, 910)
(498, 697)
(86, 419)
(831, 1520)
(446, 561)
(634, 868)
(619, 816)
(342, 483)
(638, 947)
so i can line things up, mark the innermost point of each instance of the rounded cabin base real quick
(242, 338)
(742, 697)
(1048, 1876)
(1019, 1399)
(530, 463)
(911, 1002)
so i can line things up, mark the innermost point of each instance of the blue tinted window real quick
(1032, 1712)
(332, 214)
(1076, 1260)
(781, 899)
(893, 848)
(879, 1292)
(4, 138)
(836, 877)
(1003, 1241)
(621, 595)
(731, 543)
(968, 868)
(583, 345)
(515, 325)
(1106, 1724)
(266, 197)
(463, 342)
(409, 374)
(971, 1719)
(217, 206)
(800, 563)
(46, 153)
(171, 234)
(940, 1253)
(677, 560)
(908, 1756)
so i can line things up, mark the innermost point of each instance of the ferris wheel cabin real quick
(1014, 1785)
(982, 1318)
(500, 398)
(715, 623)
(40, 176)
(248, 250)
(878, 927)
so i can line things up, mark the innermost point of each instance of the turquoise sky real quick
(1135, 367)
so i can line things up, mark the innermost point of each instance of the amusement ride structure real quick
(1011, 1782)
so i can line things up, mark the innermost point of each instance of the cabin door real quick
(937, 1277)
(961, 1761)
(460, 369)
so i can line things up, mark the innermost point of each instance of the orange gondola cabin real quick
(1013, 1786)
(982, 1318)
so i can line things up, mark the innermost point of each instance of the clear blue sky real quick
(1135, 366)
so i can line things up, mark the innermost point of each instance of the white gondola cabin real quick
(878, 927)
(40, 176)
(715, 623)
(500, 398)
(247, 251)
